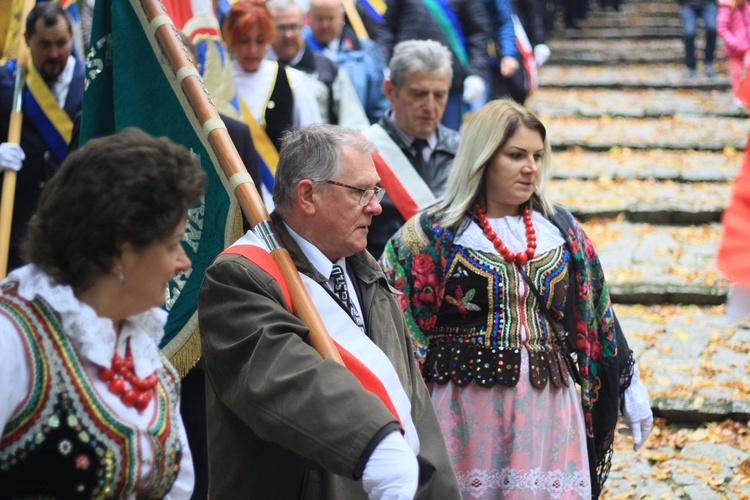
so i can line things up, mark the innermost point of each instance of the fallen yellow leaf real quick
(698, 402)
(681, 335)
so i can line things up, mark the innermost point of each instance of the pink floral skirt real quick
(515, 443)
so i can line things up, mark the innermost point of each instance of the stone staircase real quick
(646, 158)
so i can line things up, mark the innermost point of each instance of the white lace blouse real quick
(512, 232)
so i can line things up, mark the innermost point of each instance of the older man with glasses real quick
(284, 422)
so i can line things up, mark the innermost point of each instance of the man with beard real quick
(52, 97)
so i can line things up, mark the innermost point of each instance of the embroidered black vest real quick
(278, 115)
(471, 345)
(64, 441)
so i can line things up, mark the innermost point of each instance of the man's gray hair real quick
(419, 55)
(314, 153)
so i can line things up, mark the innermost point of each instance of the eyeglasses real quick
(367, 194)
(291, 28)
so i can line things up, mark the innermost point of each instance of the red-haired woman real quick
(274, 95)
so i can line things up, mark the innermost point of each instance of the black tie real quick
(339, 288)
(420, 164)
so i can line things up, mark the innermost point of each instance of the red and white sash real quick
(365, 360)
(527, 54)
(409, 192)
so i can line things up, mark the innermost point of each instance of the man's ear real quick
(390, 90)
(306, 197)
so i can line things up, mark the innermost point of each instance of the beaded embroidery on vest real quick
(474, 346)
(64, 426)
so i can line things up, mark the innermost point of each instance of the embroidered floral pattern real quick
(424, 242)
(462, 302)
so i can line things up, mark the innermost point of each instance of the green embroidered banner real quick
(129, 84)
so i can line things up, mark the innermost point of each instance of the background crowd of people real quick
(481, 354)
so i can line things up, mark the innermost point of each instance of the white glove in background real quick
(473, 88)
(392, 472)
(636, 415)
(11, 156)
(541, 54)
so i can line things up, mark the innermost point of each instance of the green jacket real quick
(282, 421)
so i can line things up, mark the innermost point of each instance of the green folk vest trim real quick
(67, 431)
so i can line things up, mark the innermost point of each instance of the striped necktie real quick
(339, 288)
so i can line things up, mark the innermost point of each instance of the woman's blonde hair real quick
(485, 135)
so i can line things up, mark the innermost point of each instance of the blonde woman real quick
(512, 323)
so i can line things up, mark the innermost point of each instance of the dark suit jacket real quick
(40, 163)
(410, 19)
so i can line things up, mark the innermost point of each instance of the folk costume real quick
(272, 99)
(502, 344)
(59, 415)
(48, 113)
(286, 423)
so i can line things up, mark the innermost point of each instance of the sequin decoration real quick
(65, 447)
(82, 462)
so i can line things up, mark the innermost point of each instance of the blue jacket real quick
(503, 35)
(361, 60)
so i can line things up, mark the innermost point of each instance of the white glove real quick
(541, 54)
(392, 472)
(636, 415)
(473, 88)
(11, 156)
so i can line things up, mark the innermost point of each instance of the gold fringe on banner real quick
(188, 355)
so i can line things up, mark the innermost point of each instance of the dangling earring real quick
(119, 274)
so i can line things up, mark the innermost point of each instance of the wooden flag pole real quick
(14, 135)
(249, 199)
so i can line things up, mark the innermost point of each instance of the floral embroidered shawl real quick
(414, 262)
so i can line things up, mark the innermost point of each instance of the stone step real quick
(659, 164)
(643, 76)
(655, 264)
(676, 132)
(579, 58)
(628, 51)
(612, 52)
(643, 200)
(661, 8)
(633, 20)
(620, 32)
(634, 103)
(692, 360)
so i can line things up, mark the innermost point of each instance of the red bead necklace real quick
(139, 393)
(520, 257)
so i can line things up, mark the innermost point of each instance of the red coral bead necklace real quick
(520, 257)
(122, 373)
